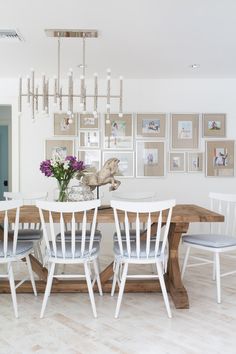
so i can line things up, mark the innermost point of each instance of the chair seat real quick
(78, 235)
(21, 248)
(28, 234)
(132, 234)
(68, 252)
(210, 240)
(133, 249)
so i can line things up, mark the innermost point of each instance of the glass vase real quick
(62, 191)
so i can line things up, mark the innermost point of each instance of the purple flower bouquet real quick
(63, 170)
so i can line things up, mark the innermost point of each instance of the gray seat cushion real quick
(116, 249)
(78, 235)
(210, 240)
(28, 234)
(21, 248)
(68, 253)
(132, 234)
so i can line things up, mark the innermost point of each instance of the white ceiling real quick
(138, 38)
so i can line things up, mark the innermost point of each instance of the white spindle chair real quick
(139, 251)
(29, 231)
(220, 239)
(12, 251)
(135, 197)
(70, 251)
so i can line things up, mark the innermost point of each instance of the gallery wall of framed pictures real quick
(148, 145)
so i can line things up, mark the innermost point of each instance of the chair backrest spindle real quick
(63, 214)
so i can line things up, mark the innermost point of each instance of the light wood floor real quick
(143, 326)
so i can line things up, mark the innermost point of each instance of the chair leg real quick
(121, 291)
(13, 288)
(217, 261)
(185, 262)
(48, 289)
(163, 288)
(214, 267)
(97, 275)
(28, 263)
(90, 288)
(115, 278)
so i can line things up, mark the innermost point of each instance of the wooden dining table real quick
(182, 216)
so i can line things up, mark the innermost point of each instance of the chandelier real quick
(77, 100)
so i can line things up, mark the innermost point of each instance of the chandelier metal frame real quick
(33, 94)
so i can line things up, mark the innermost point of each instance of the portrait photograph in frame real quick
(88, 121)
(150, 159)
(58, 148)
(64, 126)
(195, 161)
(220, 158)
(184, 131)
(126, 164)
(177, 162)
(91, 158)
(214, 125)
(89, 139)
(119, 132)
(151, 125)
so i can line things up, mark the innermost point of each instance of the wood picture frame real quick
(118, 134)
(151, 125)
(56, 147)
(214, 125)
(88, 121)
(195, 161)
(184, 131)
(62, 125)
(220, 158)
(177, 161)
(91, 158)
(89, 139)
(150, 159)
(126, 164)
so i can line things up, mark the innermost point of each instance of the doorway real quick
(5, 149)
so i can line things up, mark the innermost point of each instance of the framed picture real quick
(63, 126)
(184, 131)
(220, 158)
(150, 158)
(214, 125)
(91, 158)
(176, 162)
(195, 162)
(119, 132)
(61, 148)
(151, 125)
(126, 164)
(88, 121)
(89, 139)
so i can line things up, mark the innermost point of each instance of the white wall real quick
(216, 95)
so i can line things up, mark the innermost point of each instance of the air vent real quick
(10, 36)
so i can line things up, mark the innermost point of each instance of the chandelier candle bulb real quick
(121, 97)
(20, 96)
(47, 97)
(55, 90)
(60, 99)
(28, 90)
(36, 99)
(70, 91)
(95, 94)
(108, 92)
(44, 92)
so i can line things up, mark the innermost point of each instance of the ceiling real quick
(138, 38)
